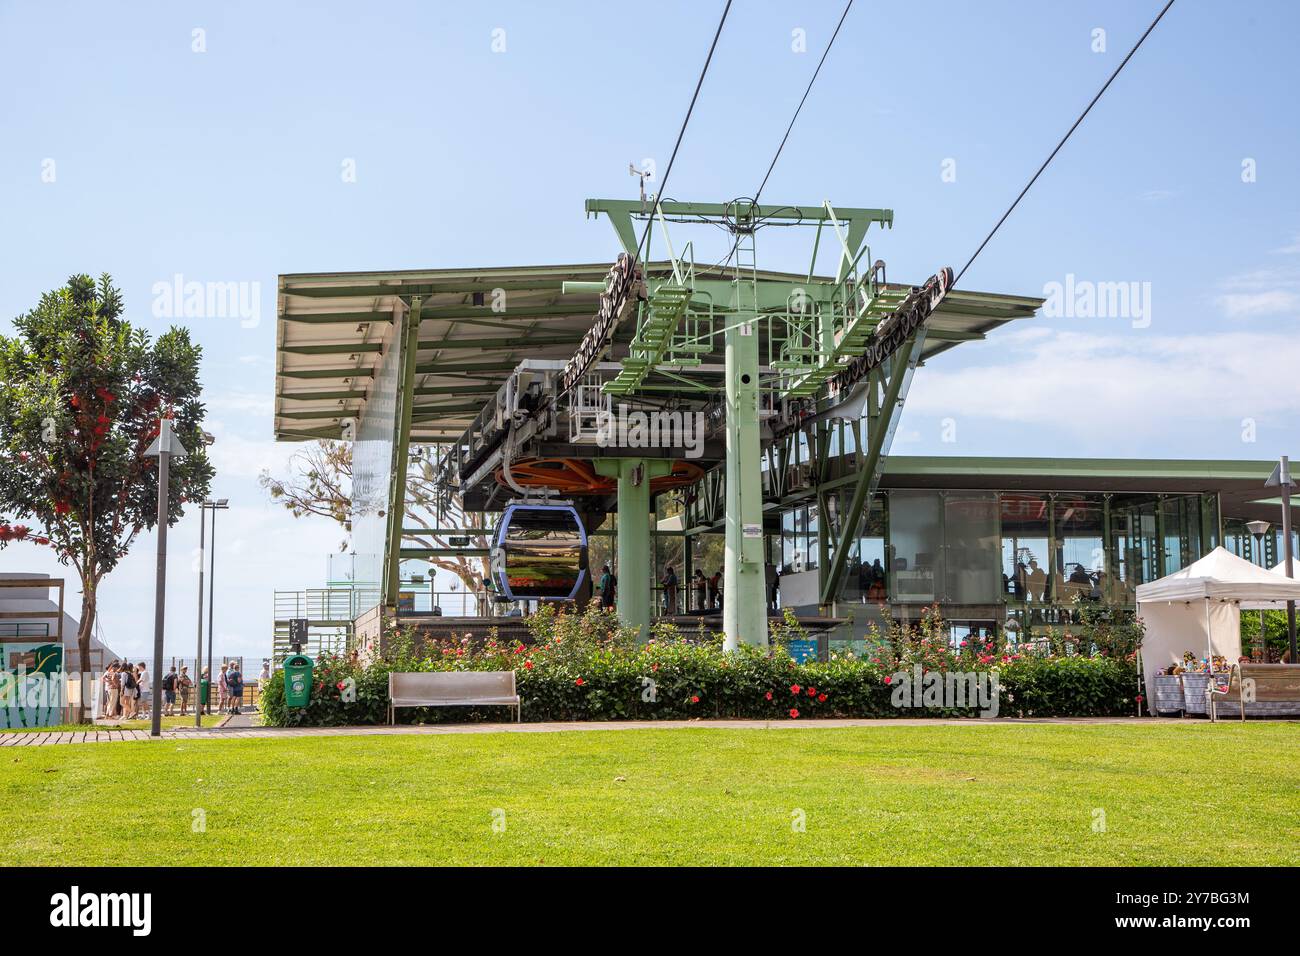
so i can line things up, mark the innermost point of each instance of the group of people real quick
(229, 687)
(126, 690)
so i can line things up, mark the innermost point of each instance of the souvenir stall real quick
(1193, 626)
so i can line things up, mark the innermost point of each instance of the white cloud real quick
(235, 456)
(240, 403)
(1245, 305)
(1092, 386)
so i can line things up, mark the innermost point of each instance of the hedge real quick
(587, 668)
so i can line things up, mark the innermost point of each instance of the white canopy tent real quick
(1279, 568)
(1198, 609)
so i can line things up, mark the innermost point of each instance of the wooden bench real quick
(452, 689)
(1273, 686)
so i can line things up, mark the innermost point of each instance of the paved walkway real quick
(242, 726)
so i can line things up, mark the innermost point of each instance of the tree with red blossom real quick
(81, 396)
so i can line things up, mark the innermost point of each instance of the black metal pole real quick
(198, 654)
(1286, 542)
(160, 581)
(212, 593)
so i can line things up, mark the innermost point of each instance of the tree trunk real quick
(84, 630)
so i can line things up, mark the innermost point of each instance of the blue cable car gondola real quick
(540, 552)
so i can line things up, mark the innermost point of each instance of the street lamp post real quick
(1258, 529)
(164, 447)
(220, 504)
(1281, 479)
(198, 653)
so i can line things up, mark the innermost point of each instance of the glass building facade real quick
(991, 559)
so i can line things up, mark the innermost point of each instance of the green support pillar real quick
(635, 542)
(409, 343)
(744, 588)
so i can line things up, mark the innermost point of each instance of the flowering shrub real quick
(588, 667)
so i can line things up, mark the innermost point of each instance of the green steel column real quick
(634, 540)
(744, 598)
(409, 343)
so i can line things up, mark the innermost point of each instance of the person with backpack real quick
(607, 582)
(129, 689)
(235, 686)
(169, 692)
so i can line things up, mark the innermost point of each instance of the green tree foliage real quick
(81, 396)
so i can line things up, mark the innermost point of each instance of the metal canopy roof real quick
(1240, 483)
(330, 328)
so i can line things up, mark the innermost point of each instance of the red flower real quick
(579, 681)
(889, 680)
(795, 688)
(62, 507)
(528, 665)
(821, 698)
(695, 699)
(519, 649)
(794, 713)
(812, 691)
(769, 695)
(339, 685)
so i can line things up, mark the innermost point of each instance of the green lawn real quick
(1171, 793)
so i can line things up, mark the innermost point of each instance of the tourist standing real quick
(235, 685)
(112, 691)
(184, 684)
(223, 690)
(701, 584)
(169, 692)
(669, 582)
(144, 695)
(129, 688)
(606, 588)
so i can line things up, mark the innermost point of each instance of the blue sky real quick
(225, 165)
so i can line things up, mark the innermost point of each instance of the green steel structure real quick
(489, 371)
(723, 415)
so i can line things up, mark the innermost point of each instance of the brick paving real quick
(242, 727)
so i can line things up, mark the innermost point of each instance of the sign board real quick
(1280, 477)
(752, 531)
(458, 541)
(298, 630)
(803, 650)
(406, 602)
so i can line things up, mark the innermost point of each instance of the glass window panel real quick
(1080, 570)
(1024, 520)
(970, 557)
(915, 537)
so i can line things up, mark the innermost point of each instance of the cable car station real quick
(671, 406)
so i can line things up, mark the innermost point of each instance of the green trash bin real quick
(297, 680)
